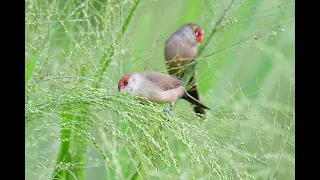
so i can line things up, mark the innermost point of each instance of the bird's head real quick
(193, 32)
(124, 83)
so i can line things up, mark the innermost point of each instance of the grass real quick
(79, 127)
(29, 69)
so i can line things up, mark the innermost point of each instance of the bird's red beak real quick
(199, 38)
(121, 88)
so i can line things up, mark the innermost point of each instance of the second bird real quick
(156, 87)
(180, 48)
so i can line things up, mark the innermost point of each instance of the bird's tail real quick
(199, 106)
(193, 92)
(195, 95)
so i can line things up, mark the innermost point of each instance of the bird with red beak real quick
(157, 87)
(180, 49)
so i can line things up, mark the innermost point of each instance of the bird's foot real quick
(168, 111)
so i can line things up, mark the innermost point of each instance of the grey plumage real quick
(157, 87)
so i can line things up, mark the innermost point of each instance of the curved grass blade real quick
(30, 69)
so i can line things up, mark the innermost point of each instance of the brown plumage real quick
(180, 48)
(156, 87)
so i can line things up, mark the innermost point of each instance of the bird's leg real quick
(169, 109)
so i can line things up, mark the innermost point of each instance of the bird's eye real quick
(196, 32)
(125, 82)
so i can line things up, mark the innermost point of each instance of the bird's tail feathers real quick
(194, 101)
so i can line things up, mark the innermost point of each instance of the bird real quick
(180, 49)
(157, 87)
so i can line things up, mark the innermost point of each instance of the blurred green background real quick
(245, 75)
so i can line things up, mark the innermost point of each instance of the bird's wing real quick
(163, 81)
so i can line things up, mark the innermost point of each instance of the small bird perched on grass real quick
(179, 49)
(157, 87)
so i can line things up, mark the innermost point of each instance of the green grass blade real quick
(132, 10)
(64, 156)
(30, 69)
